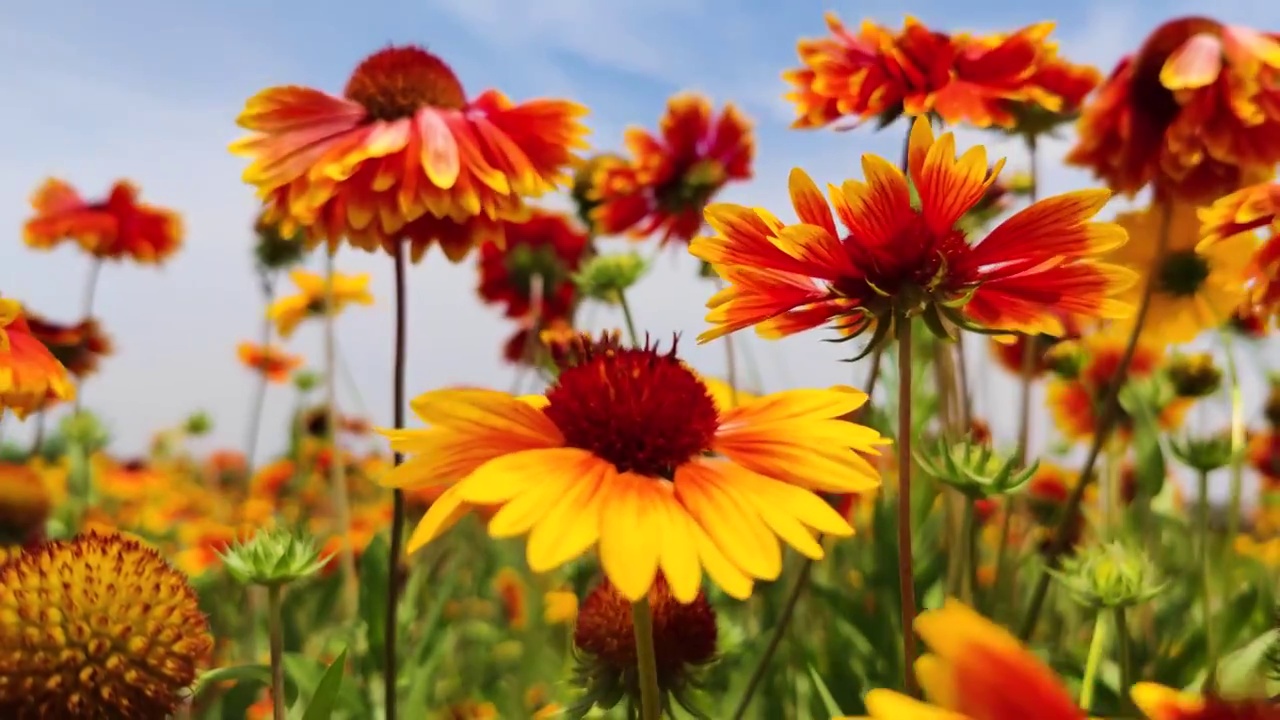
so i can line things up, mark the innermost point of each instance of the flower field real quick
(625, 533)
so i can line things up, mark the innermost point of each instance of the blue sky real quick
(149, 90)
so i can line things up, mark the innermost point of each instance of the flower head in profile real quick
(877, 73)
(667, 181)
(98, 626)
(272, 362)
(1195, 112)
(79, 346)
(1158, 702)
(977, 670)
(543, 251)
(1195, 289)
(119, 227)
(628, 452)
(1253, 208)
(894, 258)
(403, 155)
(604, 638)
(312, 298)
(31, 378)
(1058, 88)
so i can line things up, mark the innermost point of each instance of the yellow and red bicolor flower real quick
(917, 71)
(1253, 208)
(628, 451)
(116, 228)
(668, 180)
(312, 298)
(79, 347)
(544, 250)
(1158, 702)
(274, 363)
(895, 258)
(977, 670)
(1195, 113)
(404, 155)
(31, 378)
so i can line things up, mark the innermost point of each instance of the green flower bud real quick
(1065, 359)
(1194, 376)
(1113, 575)
(274, 250)
(306, 380)
(1204, 454)
(199, 423)
(975, 469)
(273, 558)
(606, 277)
(84, 429)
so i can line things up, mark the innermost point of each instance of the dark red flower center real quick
(641, 410)
(399, 81)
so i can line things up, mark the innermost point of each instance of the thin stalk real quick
(801, 581)
(391, 660)
(1097, 647)
(37, 442)
(1206, 584)
(969, 535)
(1002, 553)
(1029, 357)
(337, 468)
(1234, 508)
(275, 628)
(906, 561)
(1106, 423)
(629, 319)
(646, 661)
(86, 312)
(962, 381)
(1125, 659)
(259, 400)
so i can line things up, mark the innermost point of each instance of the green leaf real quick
(828, 702)
(374, 570)
(1243, 673)
(326, 694)
(238, 673)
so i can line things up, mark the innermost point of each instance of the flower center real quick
(914, 264)
(523, 262)
(641, 410)
(1182, 273)
(399, 81)
(693, 188)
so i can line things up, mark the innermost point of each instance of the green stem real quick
(1097, 645)
(646, 661)
(906, 561)
(1123, 645)
(969, 533)
(275, 628)
(628, 318)
(1206, 584)
(1234, 510)
(1002, 553)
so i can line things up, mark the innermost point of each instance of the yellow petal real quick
(628, 541)
(679, 555)
(443, 514)
(736, 529)
(572, 526)
(503, 478)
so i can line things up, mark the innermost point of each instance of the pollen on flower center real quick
(1183, 273)
(641, 410)
(399, 81)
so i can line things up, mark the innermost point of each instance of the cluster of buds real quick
(1112, 575)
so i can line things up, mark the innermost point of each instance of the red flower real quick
(545, 250)
(112, 229)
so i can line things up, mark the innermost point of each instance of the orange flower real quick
(1254, 207)
(894, 258)
(275, 364)
(1009, 355)
(877, 73)
(31, 378)
(403, 155)
(1196, 112)
(548, 246)
(112, 229)
(977, 671)
(1264, 454)
(669, 180)
(511, 591)
(1158, 702)
(78, 347)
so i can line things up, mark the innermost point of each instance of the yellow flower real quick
(977, 671)
(618, 453)
(98, 626)
(1195, 290)
(310, 301)
(1158, 702)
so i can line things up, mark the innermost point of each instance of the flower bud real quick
(198, 423)
(1113, 575)
(1065, 359)
(974, 469)
(84, 429)
(584, 181)
(306, 381)
(272, 558)
(684, 639)
(274, 250)
(1194, 376)
(1204, 454)
(606, 277)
